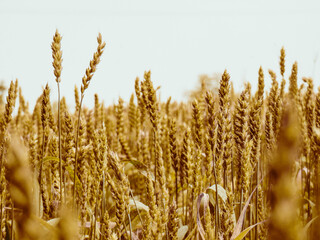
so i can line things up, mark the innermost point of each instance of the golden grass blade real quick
(238, 227)
(247, 230)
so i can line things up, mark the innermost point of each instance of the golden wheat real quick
(223, 165)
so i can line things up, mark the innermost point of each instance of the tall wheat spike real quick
(85, 84)
(57, 64)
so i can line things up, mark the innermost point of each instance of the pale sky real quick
(176, 40)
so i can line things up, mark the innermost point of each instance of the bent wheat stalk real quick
(85, 84)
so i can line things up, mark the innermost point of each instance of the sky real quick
(177, 40)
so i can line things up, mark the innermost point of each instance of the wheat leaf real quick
(245, 232)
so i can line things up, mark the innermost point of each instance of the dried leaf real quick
(238, 227)
(205, 198)
(245, 232)
(221, 193)
(304, 232)
(182, 231)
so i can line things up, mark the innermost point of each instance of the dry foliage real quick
(222, 166)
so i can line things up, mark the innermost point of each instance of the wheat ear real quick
(57, 61)
(85, 84)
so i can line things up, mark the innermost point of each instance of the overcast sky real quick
(176, 40)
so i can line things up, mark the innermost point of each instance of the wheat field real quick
(223, 165)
